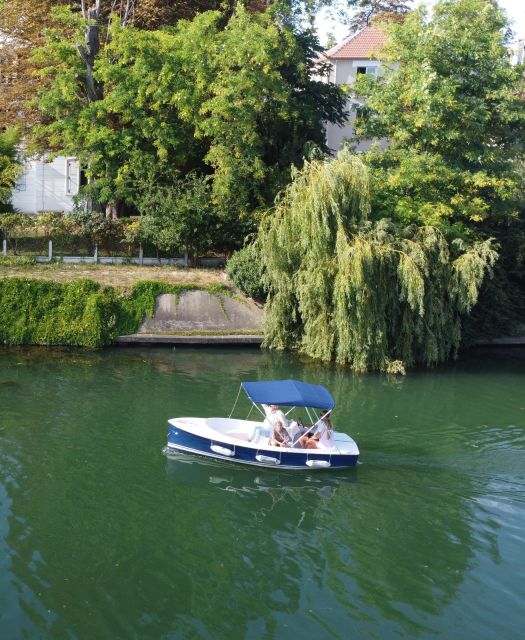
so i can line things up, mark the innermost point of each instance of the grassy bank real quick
(80, 312)
(109, 275)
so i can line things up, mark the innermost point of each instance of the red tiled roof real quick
(359, 45)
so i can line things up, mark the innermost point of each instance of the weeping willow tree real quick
(372, 295)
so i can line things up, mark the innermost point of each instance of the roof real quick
(289, 393)
(359, 45)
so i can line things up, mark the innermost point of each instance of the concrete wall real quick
(47, 186)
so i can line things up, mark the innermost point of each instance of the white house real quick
(518, 52)
(47, 186)
(353, 56)
(44, 186)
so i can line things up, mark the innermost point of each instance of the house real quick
(47, 185)
(518, 52)
(353, 56)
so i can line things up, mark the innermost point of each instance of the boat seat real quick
(261, 435)
(239, 435)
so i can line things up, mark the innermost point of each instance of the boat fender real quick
(268, 459)
(222, 451)
(317, 463)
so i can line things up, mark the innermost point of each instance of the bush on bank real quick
(245, 270)
(78, 313)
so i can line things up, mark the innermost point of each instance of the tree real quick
(358, 14)
(179, 216)
(449, 104)
(373, 295)
(236, 103)
(379, 11)
(10, 167)
(23, 24)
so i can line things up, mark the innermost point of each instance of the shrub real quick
(79, 313)
(244, 269)
(16, 261)
(55, 224)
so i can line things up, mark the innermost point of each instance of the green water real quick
(102, 536)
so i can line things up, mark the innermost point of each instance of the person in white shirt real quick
(276, 418)
(274, 415)
(322, 438)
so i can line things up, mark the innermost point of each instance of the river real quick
(102, 536)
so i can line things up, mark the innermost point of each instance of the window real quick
(72, 176)
(21, 184)
(367, 70)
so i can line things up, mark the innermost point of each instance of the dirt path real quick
(115, 275)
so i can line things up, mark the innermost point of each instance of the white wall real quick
(47, 186)
(345, 73)
(346, 70)
(336, 135)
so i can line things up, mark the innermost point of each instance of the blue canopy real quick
(289, 393)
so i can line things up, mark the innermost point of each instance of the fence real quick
(90, 254)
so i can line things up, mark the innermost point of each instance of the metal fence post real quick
(50, 251)
(95, 257)
(141, 255)
(4, 247)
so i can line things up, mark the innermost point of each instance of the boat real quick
(246, 441)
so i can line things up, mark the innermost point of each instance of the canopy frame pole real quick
(235, 403)
(259, 409)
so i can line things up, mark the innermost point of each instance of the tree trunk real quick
(89, 52)
(113, 209)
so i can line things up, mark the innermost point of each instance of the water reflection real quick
(267, 524)
(396, 553)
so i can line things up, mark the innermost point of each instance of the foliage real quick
(24, 23)
(10, 166)
(449, 104)
(244, 269)
(233, 102)
(42, 312)
(373, 295)
(80, 312)
(13, 225)
(179, 216)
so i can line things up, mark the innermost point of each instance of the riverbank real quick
(98, 305)
(83, 312)
(113, 275)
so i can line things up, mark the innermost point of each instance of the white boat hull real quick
(246, 442)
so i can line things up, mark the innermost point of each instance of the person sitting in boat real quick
(280, 437)
(322, 437)
(274, 415)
